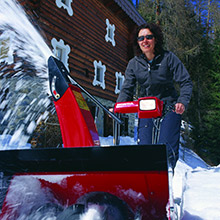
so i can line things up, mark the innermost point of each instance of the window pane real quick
(110, 33)
(59, 53)
(98, 75)
(65, 2)
(119, 83)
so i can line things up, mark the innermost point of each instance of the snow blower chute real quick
(82, 178)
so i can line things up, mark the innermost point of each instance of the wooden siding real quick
(85, 33)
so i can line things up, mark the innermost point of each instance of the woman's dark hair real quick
(158, 35)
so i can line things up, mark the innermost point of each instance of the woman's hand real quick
(179, 108)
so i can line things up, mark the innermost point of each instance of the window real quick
(99, 78)
(66, 4)
(119, 82)
(6, 51)
(61, 51)
(110, 32)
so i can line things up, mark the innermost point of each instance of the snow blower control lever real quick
(146, 107)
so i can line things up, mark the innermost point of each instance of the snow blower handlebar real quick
(146, 107)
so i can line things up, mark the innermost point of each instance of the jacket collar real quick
(142, 58)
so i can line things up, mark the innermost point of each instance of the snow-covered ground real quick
(196, 185)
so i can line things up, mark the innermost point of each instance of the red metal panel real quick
(146, 191)
(72, 123)
(86, 114)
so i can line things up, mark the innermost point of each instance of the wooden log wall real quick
(85, 32)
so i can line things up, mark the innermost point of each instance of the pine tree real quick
(211, 118)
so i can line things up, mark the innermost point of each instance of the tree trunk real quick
(137, 2)
(157, 11)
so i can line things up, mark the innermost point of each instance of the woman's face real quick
(146, 45)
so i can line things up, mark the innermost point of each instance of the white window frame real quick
(66, 4)
(65, 50)
(99, 77)
(7, 37)
(110, 33)
(119, 78)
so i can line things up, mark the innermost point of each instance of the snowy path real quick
(199, 187)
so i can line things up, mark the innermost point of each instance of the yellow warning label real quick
(80, 100)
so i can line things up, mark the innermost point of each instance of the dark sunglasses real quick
(148, 37)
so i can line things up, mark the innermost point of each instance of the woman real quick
(156, 71)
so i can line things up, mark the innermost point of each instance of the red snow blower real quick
(83, 179)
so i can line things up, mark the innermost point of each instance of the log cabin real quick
(93, 39)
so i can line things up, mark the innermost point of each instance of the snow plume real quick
(26, 41)
(24, 86)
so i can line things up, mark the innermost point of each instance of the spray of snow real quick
(26, 41)
(92, 214)
(28, 45)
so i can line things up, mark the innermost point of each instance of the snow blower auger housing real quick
(117, 182)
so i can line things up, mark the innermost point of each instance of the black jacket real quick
(157, 79)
